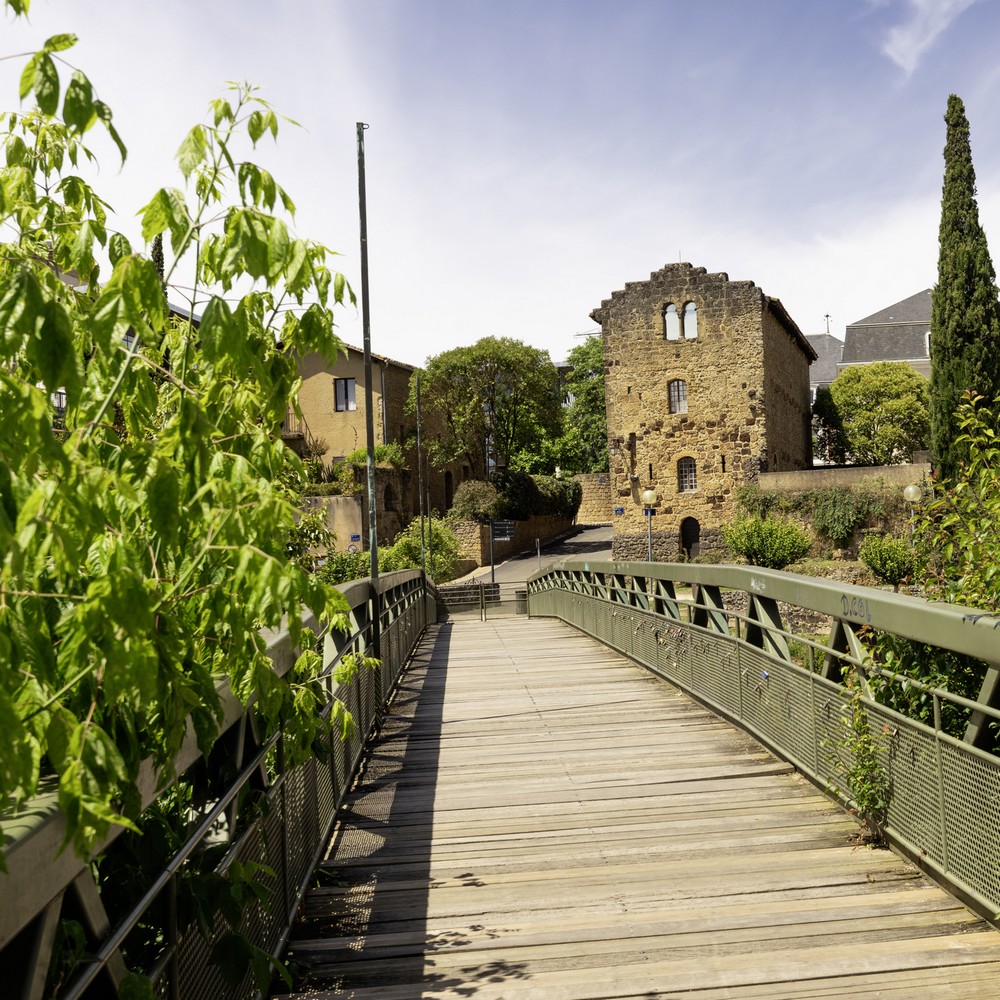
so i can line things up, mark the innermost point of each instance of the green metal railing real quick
(256, 810)
(723, 634)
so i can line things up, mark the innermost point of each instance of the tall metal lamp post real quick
(911, 495)
(649, 499)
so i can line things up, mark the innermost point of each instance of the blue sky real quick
(526, 158)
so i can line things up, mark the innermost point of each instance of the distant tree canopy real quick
(874, 414)
(583, 444)
(965, 316)
(585, 437)
(491, 400)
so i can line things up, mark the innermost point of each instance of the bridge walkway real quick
(539, 818)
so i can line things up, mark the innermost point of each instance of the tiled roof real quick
(828, 350)
(896, 333)
(382, 359)
(915, 309)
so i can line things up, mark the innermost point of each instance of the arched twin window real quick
(687, 475)
(677, 395)
(690, 321)
(680, 326)
(671, 322)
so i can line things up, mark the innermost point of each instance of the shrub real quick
(476, 500)
(385, 454)
(773, 543)
(445, 550)
(342, 567)
(314, 468)
(934, 666)
(755, 501)
(333, 489)
(839, 511)
(519, 496)
(890, 559)
(559, 496)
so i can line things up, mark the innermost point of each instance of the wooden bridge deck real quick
(540, 819)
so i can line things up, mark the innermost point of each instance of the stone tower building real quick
(707, 384)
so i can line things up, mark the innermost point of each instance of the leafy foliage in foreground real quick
(144, 486)
(957, 529)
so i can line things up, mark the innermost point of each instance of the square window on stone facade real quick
(344, 395)
(677, 393)
(687, 475)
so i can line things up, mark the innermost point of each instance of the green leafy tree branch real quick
(146, 496)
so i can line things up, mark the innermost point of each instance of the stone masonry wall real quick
(724, 428)
(596, 504)
(786, 396)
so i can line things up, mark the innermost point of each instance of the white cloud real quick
(907, 42)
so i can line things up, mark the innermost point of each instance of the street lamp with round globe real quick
(649, 499)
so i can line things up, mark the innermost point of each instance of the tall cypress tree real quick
(965, 315)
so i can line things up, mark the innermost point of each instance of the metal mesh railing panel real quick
(326, 793)
(672, 660)
(603, 622)
(972, 816)
(831, 733)
(714, 670)
(909, 755)
(301, 821)
(644, 646)
(621, 630)
(776, 702)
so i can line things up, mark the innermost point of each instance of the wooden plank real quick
(540, 818)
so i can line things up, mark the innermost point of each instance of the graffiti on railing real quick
(856, 608)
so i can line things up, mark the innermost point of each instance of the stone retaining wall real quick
(814, 479)
(474, 538)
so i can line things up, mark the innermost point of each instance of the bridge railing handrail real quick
(967, 630)
(39, 875)
(727, 644)
(865, 664)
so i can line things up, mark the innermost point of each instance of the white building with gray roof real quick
(900, 332)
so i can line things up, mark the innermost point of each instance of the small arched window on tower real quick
(677, 394)
(671, 322)
(690, 321)
(687, 475)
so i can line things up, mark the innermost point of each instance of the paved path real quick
(588, 543)
(542, 820)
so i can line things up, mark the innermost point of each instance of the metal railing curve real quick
(292, 815)
(768, 650)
